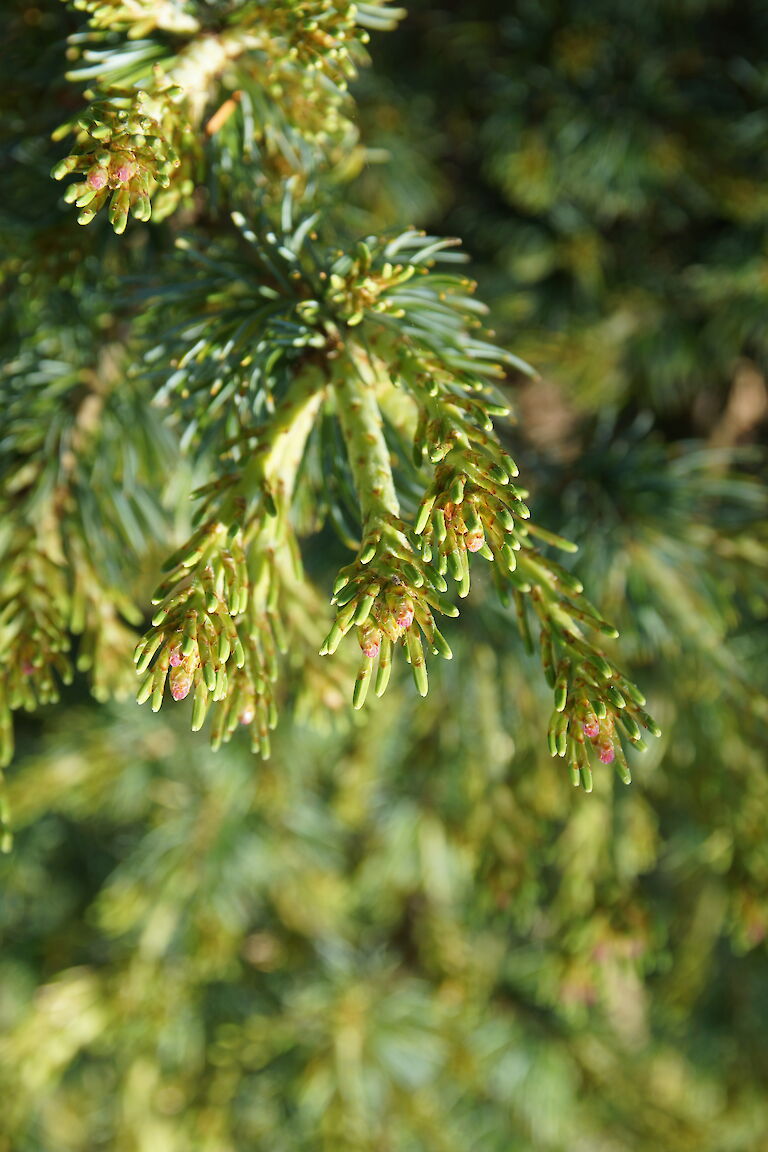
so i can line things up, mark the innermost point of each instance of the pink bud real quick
(97, 178)
(591, 728)
(370, 647)
(606, 753)
(124, 172)
(369, 638)
(181, 682)
(474, 541)
(175, 657)
(27, 668)
(404, 614)
(247, 714)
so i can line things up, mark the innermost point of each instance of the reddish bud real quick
(591, 728)
(27, 668)
(404, 614)
(606, 753)
(247, 714)
(370, 640)
(97, 178)
(124, 172)
(175, 657)
(180, 679)
(474, 541)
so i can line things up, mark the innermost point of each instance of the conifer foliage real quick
(265, 463)
(275, 321)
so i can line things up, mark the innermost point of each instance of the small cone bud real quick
(181, 682)
(27, 668)
(370, 640)
(606, 753)
(97, 178)
(590, 723)
(175, 658)
(180, 677)
(404, 614)
(474, 541)
(247, 715)
(124, 172)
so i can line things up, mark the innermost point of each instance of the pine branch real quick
(382, 318)
(265, 339)
(59, 539)
(388, 588)
(218, 626)
(284, 69)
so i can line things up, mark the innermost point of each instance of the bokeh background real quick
(406, 932)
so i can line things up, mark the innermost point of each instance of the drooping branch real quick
(217, 629)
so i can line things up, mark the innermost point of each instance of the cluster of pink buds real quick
(123, 154)
(392, 616)
(121, 171)
(389, 594)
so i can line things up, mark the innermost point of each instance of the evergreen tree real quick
(397, 928)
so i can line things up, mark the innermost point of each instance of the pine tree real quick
(401, 930)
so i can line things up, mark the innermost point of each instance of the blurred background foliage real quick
(406, 931)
